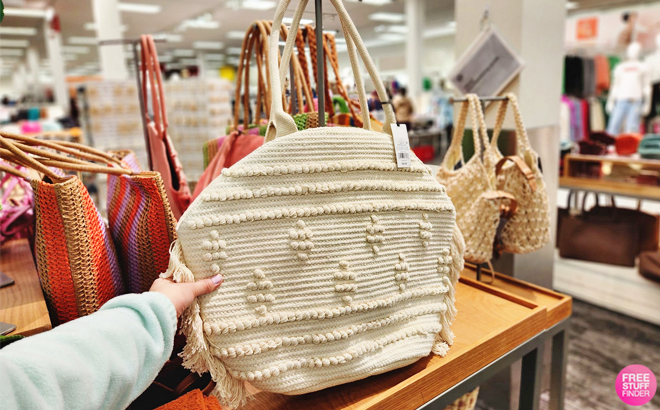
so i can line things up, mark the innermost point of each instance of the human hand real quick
(183, 294)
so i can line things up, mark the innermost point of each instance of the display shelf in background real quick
(198, 110)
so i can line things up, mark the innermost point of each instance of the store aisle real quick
(602, 343)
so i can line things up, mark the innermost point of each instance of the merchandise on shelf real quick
(198, 110)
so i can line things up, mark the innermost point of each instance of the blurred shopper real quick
(403, 108)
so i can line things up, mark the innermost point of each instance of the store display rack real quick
(593, 173)
(496, 325)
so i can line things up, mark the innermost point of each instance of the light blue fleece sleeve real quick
(101, 361)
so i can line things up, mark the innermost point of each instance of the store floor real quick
(601, 343)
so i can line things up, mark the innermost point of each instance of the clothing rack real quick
(136, 60)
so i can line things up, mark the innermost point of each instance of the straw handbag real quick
(337, 264)
(520, 175)
(81, 263)
(478, 205)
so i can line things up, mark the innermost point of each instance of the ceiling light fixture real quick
(11, 52)
(235, 34)
(183, 52)
(388, 17)
(70, 57)
(214, 57)
(24, 12)
(393, 37)
(188, 61)
(234, 50)
(204, 21)
(18, 31)
(257, 4)
(208, 45)
(83, 40)
(303, 22)
(75, 49)
(15, 43)
(169, 38)
(371, 2)
(165, 58)
(571, 5)
(139, 8)
(92, 27)
(384, 28)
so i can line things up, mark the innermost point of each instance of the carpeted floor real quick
(601, 343)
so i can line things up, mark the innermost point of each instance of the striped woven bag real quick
(141, 223)
(76, 257)
(91, 264)
(337, 264)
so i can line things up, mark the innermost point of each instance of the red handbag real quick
(164, 158)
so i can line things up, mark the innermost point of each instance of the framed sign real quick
(487, 66)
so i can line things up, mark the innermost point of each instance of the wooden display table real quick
(496, 325)
(575, 170)
(22, 303)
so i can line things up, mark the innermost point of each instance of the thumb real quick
(204, 286)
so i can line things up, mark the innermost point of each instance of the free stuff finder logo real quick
(636, 385)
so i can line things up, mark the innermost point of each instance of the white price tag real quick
(401, 145)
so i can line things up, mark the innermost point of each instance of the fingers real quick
(204, 286)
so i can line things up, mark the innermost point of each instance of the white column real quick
(19, 80)
(201, 68)
(53, 41)
(108, 27)
(414, 46)
(32, 57)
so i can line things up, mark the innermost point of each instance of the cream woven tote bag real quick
(337, 264)
(519, 175)
(471, 188)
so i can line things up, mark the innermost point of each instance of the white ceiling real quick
(75, 13)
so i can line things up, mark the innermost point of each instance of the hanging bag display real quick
(520, 175)
(163, 156)
(478, 205)
(337, 264)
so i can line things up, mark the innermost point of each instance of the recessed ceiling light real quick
(18, 31)
(258, 4)
(303, 22)
(139, 8)
(24, 12)
(214, 57)
(388, 17)
(235, 34)
(372, 2)
(392, 37)
(183, 52)
(398, 28)
(188, 61)
(441, 31)
(234, 50)
(11, 52)
(571, 5)
(75, 49)
(208, 45)
(169, 38)
(83, 40)
(14, 43)
(92, 27)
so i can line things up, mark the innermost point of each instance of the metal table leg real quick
(558, 370)
(530, 379)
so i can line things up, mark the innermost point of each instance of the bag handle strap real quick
(159, 81)
(523, 147)
(13, 154)
(12, 171)
(151, 74)
(455, 151)
(280, 124)
(513, 206)
(522, 166)
(71, 148)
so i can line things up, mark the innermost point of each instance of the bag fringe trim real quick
(445, 338)
(196, 354)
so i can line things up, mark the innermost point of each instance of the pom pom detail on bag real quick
(337, 264)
